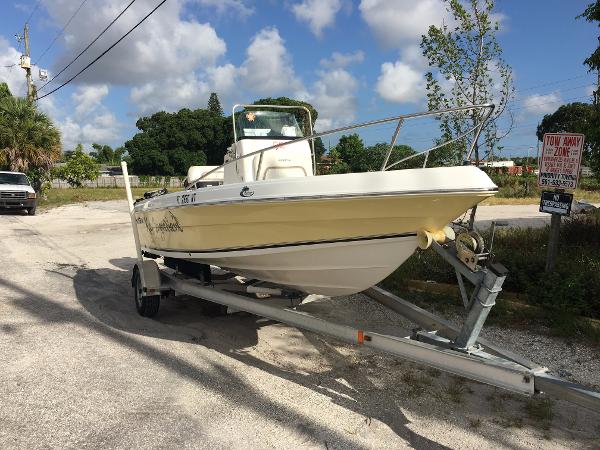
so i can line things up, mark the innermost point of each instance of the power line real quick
(547, 103)
(88, 46)
(552, 83)
(61, 31)
(104, 52)
(33, 11)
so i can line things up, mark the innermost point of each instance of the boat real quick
(266, 215)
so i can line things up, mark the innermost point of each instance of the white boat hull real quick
(331, 268)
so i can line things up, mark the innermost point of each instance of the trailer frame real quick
(435, 342)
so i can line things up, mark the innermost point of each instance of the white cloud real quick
(542, 104)
(102, 129)
(317, 13)
(13, 76)
(223, 80)
(185, 91)
(398, 23)
(88, 98)
(334, 96)
(268, 69)
(399, 82)
(340, 60)
(238, 7)
(166, 42)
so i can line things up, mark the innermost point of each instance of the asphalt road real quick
(79, 368)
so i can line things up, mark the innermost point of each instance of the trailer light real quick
(31, 195)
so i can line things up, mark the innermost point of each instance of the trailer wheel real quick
(147, 306)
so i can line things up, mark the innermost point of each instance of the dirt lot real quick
(79, 367)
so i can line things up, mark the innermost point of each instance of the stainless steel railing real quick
(488, 109)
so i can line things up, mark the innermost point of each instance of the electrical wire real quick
(550, 83)
(61, 31)
(88, 46)
(33, 11)
(104, 52)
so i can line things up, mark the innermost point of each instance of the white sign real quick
(561, 159)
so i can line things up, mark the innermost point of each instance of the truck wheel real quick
(31, 211)
(147, 306)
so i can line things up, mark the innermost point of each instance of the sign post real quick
(559, 169)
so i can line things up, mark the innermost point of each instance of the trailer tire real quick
(147, 306)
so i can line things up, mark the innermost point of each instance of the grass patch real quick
(540, 410)
(578, 194)
(416, 384)
(58, 197)
(475, 423)
(523, 190)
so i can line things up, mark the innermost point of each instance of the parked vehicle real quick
(16, 192)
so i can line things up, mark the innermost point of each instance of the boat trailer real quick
(435, 343)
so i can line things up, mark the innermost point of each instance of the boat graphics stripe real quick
(299, 198)
(272, 246)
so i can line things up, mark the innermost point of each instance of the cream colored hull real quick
(303, 233)
(337, 268)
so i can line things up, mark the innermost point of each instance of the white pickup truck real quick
(16, 192)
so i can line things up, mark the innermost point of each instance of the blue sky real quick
(354, 60)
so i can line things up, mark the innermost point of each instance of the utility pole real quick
(537, 149)
(26, 64)
(597, 92)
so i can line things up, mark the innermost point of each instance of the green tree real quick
(214, 104)
(4, 91)
(169, 143)
(592, 14)
(29, 141)
(351, 151)
(79, 168)
(376, 155)
(104, 154)
(592, 134)
(467, 54)
(351, 155)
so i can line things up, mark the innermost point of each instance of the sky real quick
(354, 60)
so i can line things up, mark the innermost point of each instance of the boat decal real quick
(246, 192)
(169, 224)
(287, 244)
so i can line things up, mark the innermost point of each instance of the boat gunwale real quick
(139, 207)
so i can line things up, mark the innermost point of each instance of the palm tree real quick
(28, 138)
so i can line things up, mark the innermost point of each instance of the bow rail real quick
(488, 109)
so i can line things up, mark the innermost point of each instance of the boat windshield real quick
(267, 124)
(14, 178)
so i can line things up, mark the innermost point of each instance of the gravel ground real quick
(81, 369)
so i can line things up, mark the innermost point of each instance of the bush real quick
(79, 167)
(512, 186)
